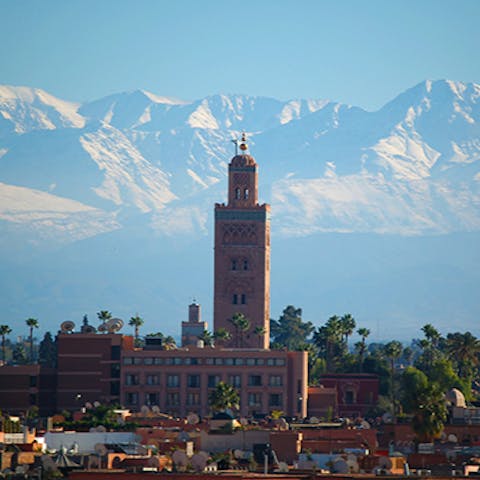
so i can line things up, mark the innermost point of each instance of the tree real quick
(290, 330)
(207, 338)
(136, 322)
(222, 335)
(224, 398)
(392, 351)
(19, 355)
(169, 343)
(103, 316)
(464, 350)
(330, 341)
(4, 331)
(430, 413)
(47, 352)
(361, 346)
(31, 323)
(242, 325)
(347, 324)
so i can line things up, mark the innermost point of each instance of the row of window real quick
(277, 362)
(172, 399)
(238, 193)
(239, 264)
(194, 381)
(239, 299)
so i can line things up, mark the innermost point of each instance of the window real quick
(255, 380)
(245, 264)
(250, 361)
(234, 264)
(177, 361)
(235, 380)
(193, 381)
(229, 361)
(245, 193)
(158, 361)
(173, 381)
(173, 399)
(349, 397)
(115, 370)
(137, 361)
(33, 381)
(128, 361)
(254, 400)
(218, 361)
(115, 352)
(275, 381)
(237, 194)
(132, 398)
(209, 361)
(260, 361)
(244, 299)
(151, 399)
(280, 362)
(213, 381)
(235, 299)
(32, 398)
(131, 379)
(270, 362)
(152, 379)
(115, 388)
(148, 361)
(275, 400)
(193, 398)
(239, 361)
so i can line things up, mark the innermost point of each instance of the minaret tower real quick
(242, 257)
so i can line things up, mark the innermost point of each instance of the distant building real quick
(242, 256)
(357, 393)
(194, 328)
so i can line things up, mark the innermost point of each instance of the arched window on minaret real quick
(245, 194)
(237, 194)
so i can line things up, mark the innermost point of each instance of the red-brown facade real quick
(242, 257)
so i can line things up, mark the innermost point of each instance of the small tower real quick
(193, 329)
(242, 256)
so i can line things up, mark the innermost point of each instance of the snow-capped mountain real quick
(139, 162)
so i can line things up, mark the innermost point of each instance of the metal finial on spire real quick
(243, 145)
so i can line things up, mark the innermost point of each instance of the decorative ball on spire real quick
(243, 145)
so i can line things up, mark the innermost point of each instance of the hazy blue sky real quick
(360, 52)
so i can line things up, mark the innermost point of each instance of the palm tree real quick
(259, 331)
(430, 413)
(31, 323)
(392, 350)
(347, 324)
(207, 338)
(169, 343)
(136, 322)
(4, 331)
(241, 324)
(103, 316)
(223, 398)
(464, 349)
(362, 345)
(222, 335)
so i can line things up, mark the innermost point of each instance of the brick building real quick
(242, 255)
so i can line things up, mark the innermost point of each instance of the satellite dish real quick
(283, 424)
(180, 458)
(88, 405)
(387, 417)
(101, 429)
(243, 422)
(353, 466)
(96, 403)
(67, 326)
(145, 410)
(314, 420)
(340, 466)
(193, 418)
(385, 463)
(156, 409)
(452, 438)
(102, 327)
(198, 462)
(100, 449)
(365, 425)
(282, 467)
(238, 454)
(114, 325)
